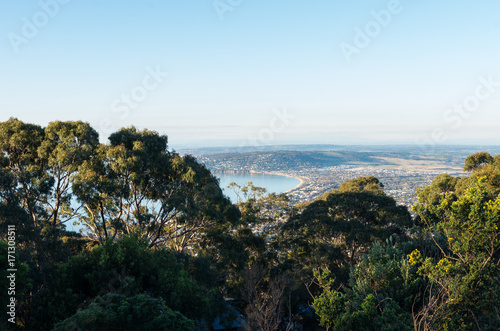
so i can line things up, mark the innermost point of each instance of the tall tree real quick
(37, 164)
(136, 184)
(337, 228)
(42, 161)
(19, 143)
(66, 146)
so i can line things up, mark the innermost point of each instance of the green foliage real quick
(491, 183)
(334, 231)
(163, 242)
(36, 165)
(474, 161)
(385, 272)
(250, 242)
(329, 304)
(131, 187)
(380, 296)
(19, 143)
(41, 162)
(126, 267)
(66, 146)
(441, 185)
(468, 269)
(259, 207)
(118, 312)
(444, 185)
(496, 161)
(136, 184)
(361, 184)
(11, 211)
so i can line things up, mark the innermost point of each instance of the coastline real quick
(303, 181)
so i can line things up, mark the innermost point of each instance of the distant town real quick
(401, 169)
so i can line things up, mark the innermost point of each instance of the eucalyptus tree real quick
(42, 161)
(35, 193)
(134, 184)
(19, 143)
(65, 147)
(337, 228)
(476, 160)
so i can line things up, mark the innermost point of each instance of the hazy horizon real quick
(220, 73)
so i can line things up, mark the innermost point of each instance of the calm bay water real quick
(272, 183)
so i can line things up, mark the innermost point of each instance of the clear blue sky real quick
(231, 69)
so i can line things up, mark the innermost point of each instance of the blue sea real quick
(272, 183)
